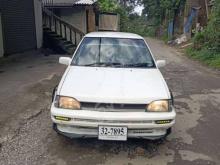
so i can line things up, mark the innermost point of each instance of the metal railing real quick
(46, 3)
(61, 27)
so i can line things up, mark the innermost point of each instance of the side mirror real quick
(65, 60)
(161, 63)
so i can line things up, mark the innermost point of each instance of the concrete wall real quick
(75, 16)
(38, 22)
(1, 39)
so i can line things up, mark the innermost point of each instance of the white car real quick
(112, 89)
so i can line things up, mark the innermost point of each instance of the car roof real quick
(114, 35)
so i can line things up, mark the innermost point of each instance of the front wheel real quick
(169, 131)
(163, 138)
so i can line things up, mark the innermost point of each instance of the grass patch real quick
(208, 57)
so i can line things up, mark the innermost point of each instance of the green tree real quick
(209, 38)
(158, 10)
(108, 5)
(125, 9)
(207, 42)
(114, 5)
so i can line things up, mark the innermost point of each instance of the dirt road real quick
(26, 136)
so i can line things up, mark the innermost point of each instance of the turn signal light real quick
(62, 118)
(163, 121)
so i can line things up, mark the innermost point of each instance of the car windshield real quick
(113, 52)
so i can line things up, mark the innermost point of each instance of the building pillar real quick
(38, 22)
(1, 38)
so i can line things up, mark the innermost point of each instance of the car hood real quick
(114, 85)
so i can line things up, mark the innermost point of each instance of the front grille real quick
(114, 121)
(89, 130)
(140, 131)
(107, 107)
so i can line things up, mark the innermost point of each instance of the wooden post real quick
(186, 12)
(65, 32)
(55, 22)
(207, 9)
(50, 23)
(75, 38)
(71, 36)
(60, 29)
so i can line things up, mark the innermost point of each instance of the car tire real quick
(169, 130)
(163, 138)
(55, 127)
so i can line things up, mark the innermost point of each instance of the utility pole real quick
(207, 9)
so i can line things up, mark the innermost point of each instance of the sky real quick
(138, 9)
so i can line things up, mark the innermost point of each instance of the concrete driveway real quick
(26, 136)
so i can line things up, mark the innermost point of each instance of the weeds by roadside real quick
(206, 56)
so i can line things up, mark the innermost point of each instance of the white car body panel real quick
(114, 85)
(114, 35)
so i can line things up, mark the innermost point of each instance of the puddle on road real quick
(189, 111)
(134, 151)
(45, 85)
(192, 156)
(162, 157)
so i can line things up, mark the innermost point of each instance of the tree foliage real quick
(157, 13)
(209, 38)
(207, 42)
(125, 9)
(156, 10)
(108, 5)
(114, 5)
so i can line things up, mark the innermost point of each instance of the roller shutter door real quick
(18, 25)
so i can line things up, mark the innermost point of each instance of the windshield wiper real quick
(115, 64)
(140, 65)
(104, 64)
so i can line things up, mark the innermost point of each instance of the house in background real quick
(84, 15)
(65, 23)
(79, 13)
(22, 23)
(20, 26)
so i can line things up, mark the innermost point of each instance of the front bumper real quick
(84, 123)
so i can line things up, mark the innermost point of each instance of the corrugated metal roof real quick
(85, 2)
(68, 2)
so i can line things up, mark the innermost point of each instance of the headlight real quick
(67, 103)
(159, 106)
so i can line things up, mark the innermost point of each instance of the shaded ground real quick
(26, 136)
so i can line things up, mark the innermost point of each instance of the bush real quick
(209, 57)
(209, 38)
(199, 40)
(207, 43)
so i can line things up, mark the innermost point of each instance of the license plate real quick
(113, 133)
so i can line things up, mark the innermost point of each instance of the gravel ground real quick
(26, 136)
